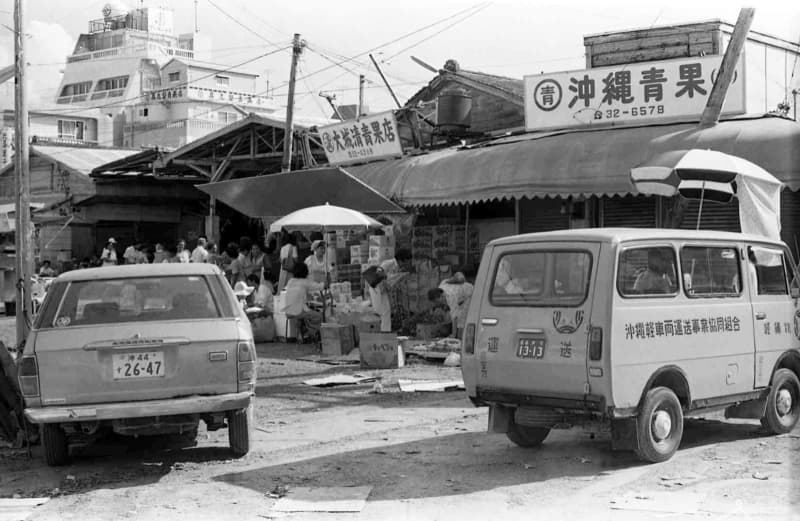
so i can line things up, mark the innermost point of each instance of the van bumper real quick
(589, 402)
(140, 409)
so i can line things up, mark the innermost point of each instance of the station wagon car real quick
(139, 350)
(633, 329)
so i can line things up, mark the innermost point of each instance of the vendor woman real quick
(318, 267)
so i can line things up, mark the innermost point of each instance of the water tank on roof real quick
(453, 112)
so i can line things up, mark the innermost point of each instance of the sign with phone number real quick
(628, 93)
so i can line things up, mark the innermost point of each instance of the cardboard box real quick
(380, 254)
(380, 351)
(381, 241)
(357, 251)
(337, 339)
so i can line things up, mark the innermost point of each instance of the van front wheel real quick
(527, 436)
(659, 427)
(783, 403)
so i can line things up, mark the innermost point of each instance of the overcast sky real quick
(505, 37)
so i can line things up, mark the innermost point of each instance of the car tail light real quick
(469, 339)
(595, 343)
(28, 376)
(245, 355)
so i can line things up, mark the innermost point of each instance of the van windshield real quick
(542, 278)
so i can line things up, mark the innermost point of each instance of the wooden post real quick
(360, 96)
(725, 74)
(22, 184)
(288, 139)
(399, 106)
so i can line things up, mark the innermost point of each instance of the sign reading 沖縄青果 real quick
(368, 137)
(628, 93)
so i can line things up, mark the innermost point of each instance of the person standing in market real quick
(288, 259)
(318, 266)
(182, 253)
(160, 254)
(199, 254)
(109, 255)
(458, 292)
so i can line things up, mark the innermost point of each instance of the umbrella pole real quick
(700, 210)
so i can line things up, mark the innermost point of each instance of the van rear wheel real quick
(783, 403)
(659, 428)
(527, 436)
(240, 425)
(54, 442)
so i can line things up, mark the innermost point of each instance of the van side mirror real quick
(795, 292)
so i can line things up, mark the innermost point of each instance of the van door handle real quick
(488, 321)
(761, 315)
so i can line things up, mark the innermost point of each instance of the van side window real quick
(710, 271)
(770, 270)
(647, 271)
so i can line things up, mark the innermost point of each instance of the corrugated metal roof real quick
(591, 162)
(82, 160)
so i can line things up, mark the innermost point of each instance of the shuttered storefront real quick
(542, 215)
(637, 211)
(715, 216)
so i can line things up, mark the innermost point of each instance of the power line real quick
(240, 24)
(473, 13)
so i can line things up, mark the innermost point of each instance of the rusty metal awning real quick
(280, 194)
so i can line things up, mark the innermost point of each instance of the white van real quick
(633, 328)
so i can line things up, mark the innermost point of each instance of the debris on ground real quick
(341, 379)
(323, 499)
(410, 386)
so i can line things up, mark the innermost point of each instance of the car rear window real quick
(542, 278)
(135, 299)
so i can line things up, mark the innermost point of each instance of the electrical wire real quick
(240, 24)
(470, 15)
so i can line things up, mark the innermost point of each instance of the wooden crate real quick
(337, 339)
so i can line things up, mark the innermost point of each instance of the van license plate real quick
(138, 365)
(530, 348)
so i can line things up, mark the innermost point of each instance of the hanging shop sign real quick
(628, 93)
(358, 140)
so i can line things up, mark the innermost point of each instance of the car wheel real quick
(54, 441)
(659, 428)
(239, 430)
(783, 403)
(526, 436)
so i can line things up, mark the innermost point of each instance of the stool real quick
(294, 320)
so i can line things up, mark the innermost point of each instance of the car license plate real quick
(530, 348)
(148, 364)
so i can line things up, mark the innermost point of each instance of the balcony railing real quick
(138, 50)
(55, 140)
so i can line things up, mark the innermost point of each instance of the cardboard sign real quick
(380, 351)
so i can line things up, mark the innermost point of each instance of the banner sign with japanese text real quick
(363, 139)
(629, 93)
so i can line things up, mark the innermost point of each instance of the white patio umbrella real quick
(320, 218)
(714, 175)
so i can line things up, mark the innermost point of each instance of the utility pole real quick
(22, 183)
(375, 63)
(360, 96)
(286, 164)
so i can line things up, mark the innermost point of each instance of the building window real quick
(174, 76)
(223, 81)
(70, 129)
(144, 112)
(153, 83)
(120, 82)
(76, 88)
(227, 117)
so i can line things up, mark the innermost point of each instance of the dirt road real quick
(425, 455)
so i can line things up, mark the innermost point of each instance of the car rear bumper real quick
(113, 411)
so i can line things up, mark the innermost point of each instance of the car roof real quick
(140, 270)
(618, 235)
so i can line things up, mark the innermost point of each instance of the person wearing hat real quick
(242, 291)
(318, 267)
(109, 255)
